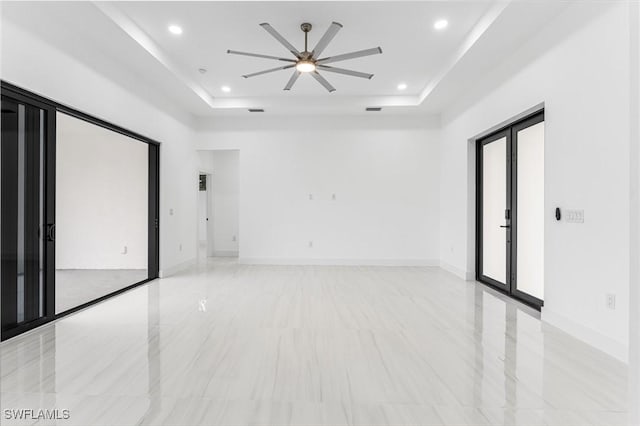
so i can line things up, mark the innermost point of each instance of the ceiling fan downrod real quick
(305, 27)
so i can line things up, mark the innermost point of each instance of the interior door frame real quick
(52, 107)
(510, 131)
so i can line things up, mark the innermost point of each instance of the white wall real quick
(384, 172)
(42, 68)
(225, 191)
(583, 80)
(634, 248)
(102, 187)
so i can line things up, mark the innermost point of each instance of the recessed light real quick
(402, 86)
(202, 70)
(373, 109)
(174, 29)
(225, 89)
(256, 110)
(441, 24)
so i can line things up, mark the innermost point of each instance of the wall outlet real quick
(234, 239)
(180, 247)
(611, 301)
(170, 212)
(124, 250)
(310, 197)
(333, 197)
(574, 216)
(310, 244)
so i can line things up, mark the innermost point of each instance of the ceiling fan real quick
(310, 62)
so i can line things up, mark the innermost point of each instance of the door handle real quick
(505, 226)
(51, 232)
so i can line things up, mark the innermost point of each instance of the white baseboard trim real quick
(338, 262)
(599, 341)
(460, 273)
(171, 270)
(225, 253)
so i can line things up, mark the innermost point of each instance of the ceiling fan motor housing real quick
(306, 56)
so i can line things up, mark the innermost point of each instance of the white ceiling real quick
(133, 37)
(412, 48)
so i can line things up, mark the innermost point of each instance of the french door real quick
(510, 210)
(27, 226)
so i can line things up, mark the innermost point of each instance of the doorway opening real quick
(218, 203)
(205, 223)
(510, 209)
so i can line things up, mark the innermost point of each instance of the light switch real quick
(574, 216)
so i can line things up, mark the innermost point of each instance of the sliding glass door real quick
(510, 210)
(27, 225)
(102, 189)
(80, 206)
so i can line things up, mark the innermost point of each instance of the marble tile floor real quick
(230, 344)
(75, 287)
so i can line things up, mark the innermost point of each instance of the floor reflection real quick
(75, 287)
(311, 345)
(510, 363)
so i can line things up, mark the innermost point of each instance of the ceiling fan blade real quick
(352, 55)
(257, 55)
(322, 81)
(268, 71)
(326, 39)
(292, 80)
(345, 72)
(281, 39)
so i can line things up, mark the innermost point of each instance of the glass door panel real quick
(102, 212)
(530, 210)
(23, 227)
(494, 204)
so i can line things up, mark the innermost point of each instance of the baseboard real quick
(597, 340)
(167, 272)
(460, 273)
(338, 262)
(225, 253)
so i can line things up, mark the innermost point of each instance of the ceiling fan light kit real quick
(305, 66)
(310, 62)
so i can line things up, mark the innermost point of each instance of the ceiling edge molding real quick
(139, 36)
(474, 35)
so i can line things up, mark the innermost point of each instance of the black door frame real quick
(505, 133)
(510, 131)
(19, 94)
